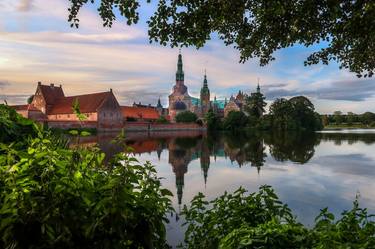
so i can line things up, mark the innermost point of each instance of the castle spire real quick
(159, 104)
(180, 71)
(258, 87)
(205, 90)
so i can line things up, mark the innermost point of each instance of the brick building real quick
(51, 106)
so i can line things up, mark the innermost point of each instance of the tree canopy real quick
(258, 28)
(297, 113)
(186, 117)
(255, 104)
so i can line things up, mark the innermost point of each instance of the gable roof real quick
(28, 107)
(51, 93)
(87, 103)
(139, 112)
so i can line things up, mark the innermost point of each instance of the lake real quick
(308, 171)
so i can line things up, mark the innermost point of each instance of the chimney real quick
(39, 83)
(110, 89)
(52, 85)
(60, 85)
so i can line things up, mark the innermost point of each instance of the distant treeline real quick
(366, 119)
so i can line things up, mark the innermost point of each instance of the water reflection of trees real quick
(291, 146)
(350, 138)
(245, 149)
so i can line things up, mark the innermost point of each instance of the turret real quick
(180, 71)
(159, 104)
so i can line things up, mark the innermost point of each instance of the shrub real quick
(14, 127)
(52, 196)
(162, 120)
(260, 220)
(235, 121)
(186, 117)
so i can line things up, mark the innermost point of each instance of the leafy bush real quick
(162, 120)
(14, 127)
(186, 117)
(235, 121)
(52, 196)
(213, 121)
(260, 220)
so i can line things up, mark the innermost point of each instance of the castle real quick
(180, 100)
(49, 105)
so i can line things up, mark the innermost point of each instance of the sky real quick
(38, 44)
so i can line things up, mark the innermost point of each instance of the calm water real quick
(308, 171)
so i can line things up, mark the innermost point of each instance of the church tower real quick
(205, 96)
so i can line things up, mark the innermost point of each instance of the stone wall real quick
(72, 124)
(72, 117)
(142, 126)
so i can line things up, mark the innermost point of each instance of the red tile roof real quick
(87, 103)
(139, 112)
(28, 107)
(51, 93)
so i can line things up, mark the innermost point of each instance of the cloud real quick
(347, 90)
(3, 84)
(14, 99)
(142, 95)
(25, 5)
(45, 37)
(351, 164)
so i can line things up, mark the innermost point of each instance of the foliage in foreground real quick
(13, 125)
(261, 220)
(53, 197)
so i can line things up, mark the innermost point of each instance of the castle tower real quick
(180, 99)
(159, 108)
(180, 72)
(205, 96)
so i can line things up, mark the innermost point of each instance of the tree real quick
(367, 118)
(325, 120)
(235, 121)
(186, 117)
(212, 120)
(338, 117)
(350, 118)
(298, 113)
(257, 28)
(162, 120)
(304, 112)
(30, 99)
(281, 110)
(254, 105)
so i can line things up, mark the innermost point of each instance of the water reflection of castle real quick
(193, 146)
(185, 147)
